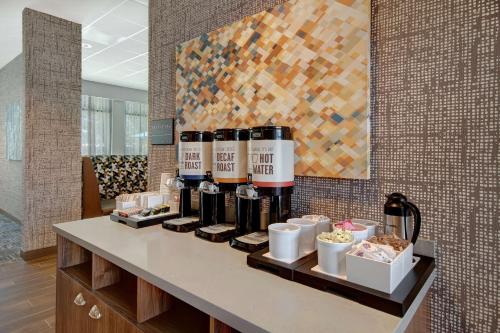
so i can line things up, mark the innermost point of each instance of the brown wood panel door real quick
(111, 321)
(217, 326)
(71, 317)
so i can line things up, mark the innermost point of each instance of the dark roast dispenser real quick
(195, 160)
(229, 169)
(266, 199)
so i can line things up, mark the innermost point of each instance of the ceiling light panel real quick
(142, 59)
(114, 28)
(132, 46)
(134, 66)
(142, 37)
(96, 47)
(113, 56)
(133, 12)
(93, 66)
(119, 39)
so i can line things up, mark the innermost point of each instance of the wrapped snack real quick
(129, 212)
(392, 240)
(146, 212)
(348, 225)
(160, 209)
(337, 236)
(378, 252)
(165, 208)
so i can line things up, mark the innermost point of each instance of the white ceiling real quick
(116, 30)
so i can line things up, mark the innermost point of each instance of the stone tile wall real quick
(53, 168)
(435, 123)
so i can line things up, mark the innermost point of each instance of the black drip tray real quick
(250, 243)
(182, 224)
(216, 233)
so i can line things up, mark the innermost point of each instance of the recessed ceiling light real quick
(86, 45)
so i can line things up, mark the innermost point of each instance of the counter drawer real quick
(73, 310)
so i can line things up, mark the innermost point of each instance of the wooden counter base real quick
(121, 302)
(155, 280)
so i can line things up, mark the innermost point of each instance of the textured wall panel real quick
(52, 49)
(435, 122)
(11, 172)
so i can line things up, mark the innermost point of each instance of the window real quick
(96, 125)
(113, 127)
(136, 128)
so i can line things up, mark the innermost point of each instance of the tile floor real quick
(10, 240)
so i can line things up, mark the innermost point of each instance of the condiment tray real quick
(148, 221)
(261, 260)
(396, 303)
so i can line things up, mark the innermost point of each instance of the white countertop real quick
(215, 278)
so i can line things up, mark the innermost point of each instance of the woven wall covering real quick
(434, 134)
(52, 152)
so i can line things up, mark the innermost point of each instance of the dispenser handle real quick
(210, 178)
(417, 221)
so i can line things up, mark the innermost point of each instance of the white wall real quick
(114, 92)
(11, 172)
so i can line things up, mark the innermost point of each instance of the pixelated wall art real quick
(303, 64)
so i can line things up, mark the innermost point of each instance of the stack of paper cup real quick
(284, 241)
(307, 242)
(323, 223)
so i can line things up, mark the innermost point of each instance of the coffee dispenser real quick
(401, 217)
(251, 226)
(195, 160)
(212, 203)
(269, 188)
(229, 168)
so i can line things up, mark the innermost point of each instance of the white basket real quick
(122, 205)
(379, 275)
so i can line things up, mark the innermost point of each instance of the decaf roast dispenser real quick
(212, 203)
(270, 180)
(195, 160)
(229, 158)
(229, 169)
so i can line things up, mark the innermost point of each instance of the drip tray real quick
(183, 224)
(251, 242)
(216, 233)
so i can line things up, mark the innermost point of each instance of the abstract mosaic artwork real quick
(303, 64)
